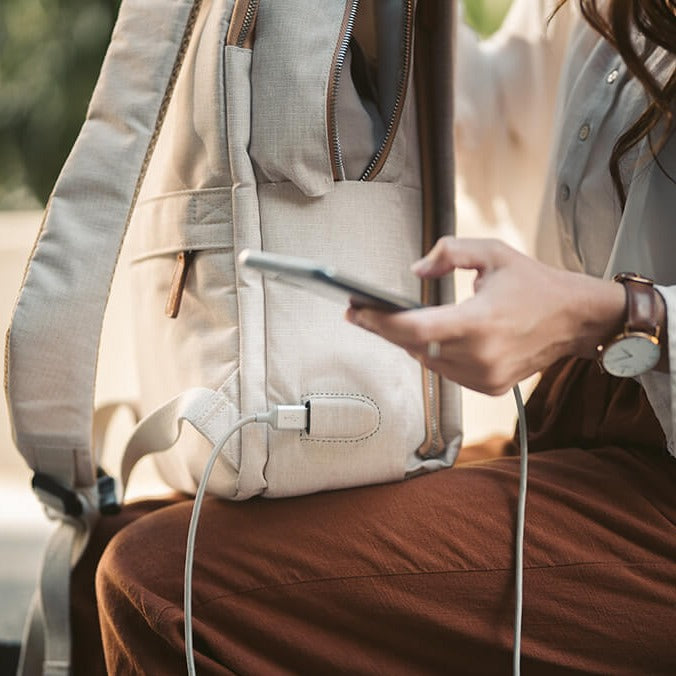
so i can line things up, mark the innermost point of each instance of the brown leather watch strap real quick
(642, 310)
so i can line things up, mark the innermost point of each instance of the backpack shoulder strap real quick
(52, 345)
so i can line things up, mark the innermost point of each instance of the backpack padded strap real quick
(52, 346)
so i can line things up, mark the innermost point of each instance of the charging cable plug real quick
(286, 417)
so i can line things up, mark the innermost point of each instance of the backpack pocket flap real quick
(329, 90)
(193, 220)
(292, 57)
(343, 418)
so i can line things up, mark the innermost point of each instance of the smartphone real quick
(324, 280)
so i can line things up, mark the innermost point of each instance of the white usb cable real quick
(282, 417)
(520, 527)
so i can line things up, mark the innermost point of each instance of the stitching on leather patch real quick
(304, 436)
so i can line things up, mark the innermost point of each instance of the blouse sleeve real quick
(645, 243)
(505, 98)
(660, 388)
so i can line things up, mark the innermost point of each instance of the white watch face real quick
(631, 356)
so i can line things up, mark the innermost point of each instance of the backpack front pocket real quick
(329, 91)
(183, 260)
(369, 81)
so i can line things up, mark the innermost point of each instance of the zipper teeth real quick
(434, 443)
(432, 382)
(434, 423)
(340, 63)
(246, 23)
(401, 89)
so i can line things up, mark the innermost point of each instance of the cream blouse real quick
(539, 107)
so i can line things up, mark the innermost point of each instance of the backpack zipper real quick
(434, 444)
(336, 152)
(242, 23)
(184, 260)
(345, 35)
(381, 155)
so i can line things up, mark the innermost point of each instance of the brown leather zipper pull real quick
(183, 262)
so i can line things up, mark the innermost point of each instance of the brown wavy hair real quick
(617, 21)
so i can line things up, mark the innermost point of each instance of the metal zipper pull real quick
(183, 261)
(433, 445)
(242, 24)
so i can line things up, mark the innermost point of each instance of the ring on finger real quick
(433, 349)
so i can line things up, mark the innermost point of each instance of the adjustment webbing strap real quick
(52, 346)
(55, 597)
(45, 649)
(208, 411)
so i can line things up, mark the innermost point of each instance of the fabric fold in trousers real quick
(415, 577)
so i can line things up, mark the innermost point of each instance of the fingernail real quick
(352, 316)
(420, 267)
(357, 318)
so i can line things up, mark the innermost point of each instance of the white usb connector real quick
(286, 417)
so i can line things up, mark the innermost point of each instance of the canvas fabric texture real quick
(252, 169)
(228, 135)
(243, 161)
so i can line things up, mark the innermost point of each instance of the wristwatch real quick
(637, 349)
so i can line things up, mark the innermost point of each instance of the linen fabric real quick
(182, 123)
(244, 161)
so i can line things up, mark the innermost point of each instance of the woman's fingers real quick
(520, 319)
(450, 253)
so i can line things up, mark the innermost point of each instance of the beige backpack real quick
(320, 128)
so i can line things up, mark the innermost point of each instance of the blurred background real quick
(50, 54)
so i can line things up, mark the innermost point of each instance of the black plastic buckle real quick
(108, 503)
(71, 505)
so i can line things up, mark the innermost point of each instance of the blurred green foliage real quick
(485, 16)
(50, 55)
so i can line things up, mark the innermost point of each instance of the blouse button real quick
(612, 76)
(564, 192)
(583, 134)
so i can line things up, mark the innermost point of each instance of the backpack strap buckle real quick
(57, 497)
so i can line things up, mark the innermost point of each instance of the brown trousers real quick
(415, 577)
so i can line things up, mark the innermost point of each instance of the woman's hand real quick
(524, 316)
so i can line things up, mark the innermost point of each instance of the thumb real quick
(450, 253)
